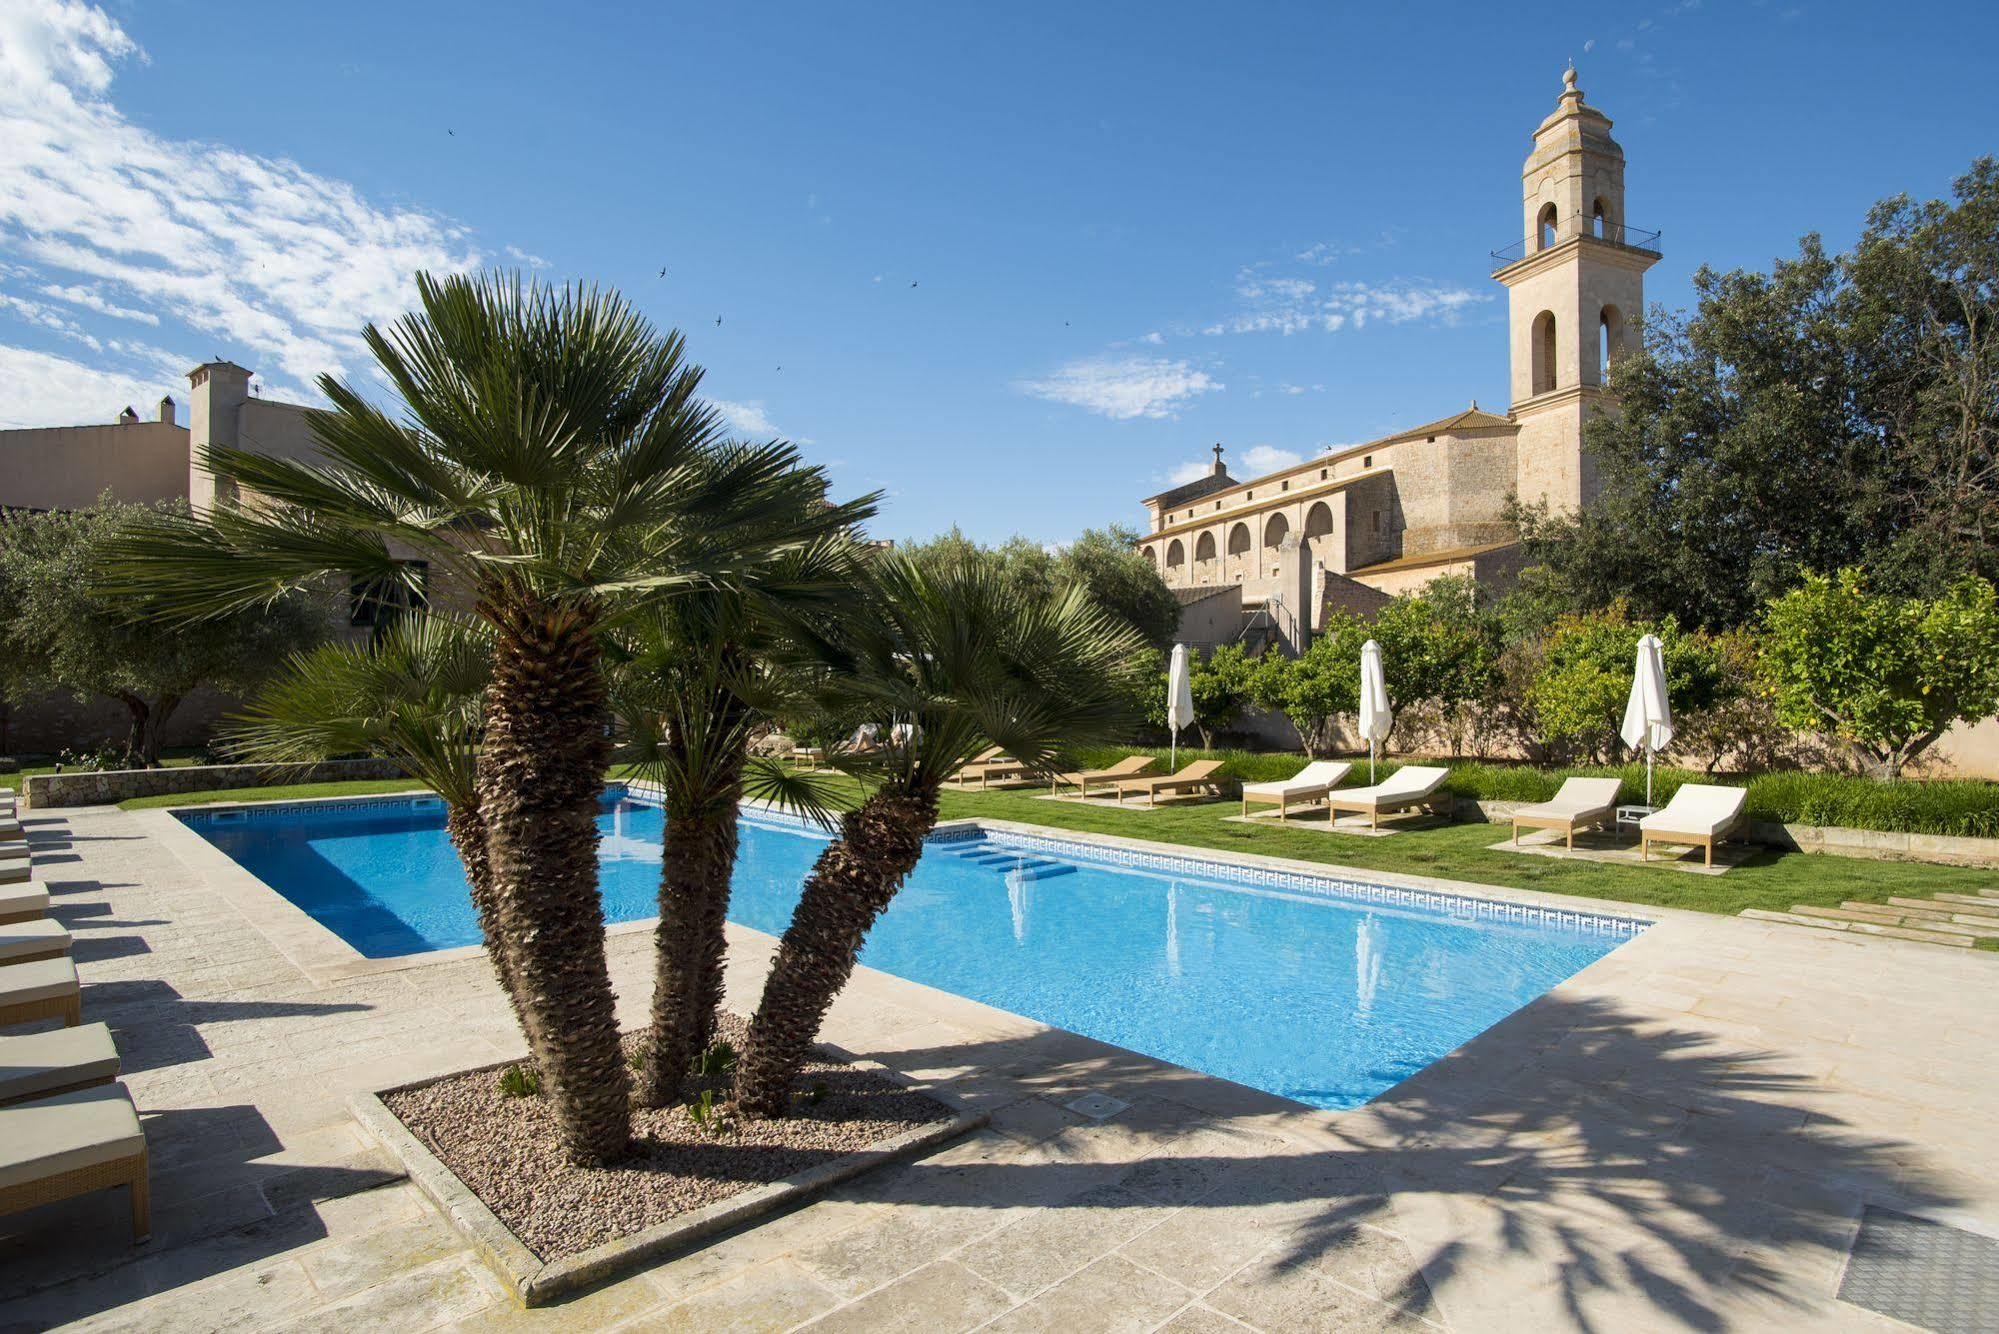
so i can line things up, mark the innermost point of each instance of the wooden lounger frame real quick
(130, 1172)
(68, 1008)
(1436, 803)
(1568, 825)
(1705, 842)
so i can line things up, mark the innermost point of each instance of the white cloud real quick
(91, 298)
(1296, 305)
(1124, 388)
(1260, 459)
(1155, 338)
(748, 419)
(41, 389)
(520, 256)
(282, 262)
(1192, 471)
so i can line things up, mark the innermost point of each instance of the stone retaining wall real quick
(111, 786)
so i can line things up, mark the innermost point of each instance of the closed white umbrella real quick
(1375, 715)
(1179, 700)
(1648, 715)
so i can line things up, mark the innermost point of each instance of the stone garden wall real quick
(111, 786)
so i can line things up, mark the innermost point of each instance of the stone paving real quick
(1682, 1136)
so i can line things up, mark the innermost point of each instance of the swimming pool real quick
(1318, 989)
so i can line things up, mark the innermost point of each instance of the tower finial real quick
(1569, 78)
(1218, 458)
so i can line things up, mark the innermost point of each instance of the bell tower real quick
(1575, 286)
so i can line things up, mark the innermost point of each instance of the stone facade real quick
(1397, 512)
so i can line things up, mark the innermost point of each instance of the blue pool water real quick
(1322, 993)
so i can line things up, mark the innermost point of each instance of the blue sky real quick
(1016, 266)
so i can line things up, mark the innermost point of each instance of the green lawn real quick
(1770, 879)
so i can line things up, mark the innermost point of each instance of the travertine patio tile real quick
(894, 1242)
(1199, 1319)
(1048, 1244)
(1304, 1298)
(735, 1254)
(774, 1297)
(1112, 1295)
(376, 1257)
(413, 1301)
(940, 1298)
(243, 1299)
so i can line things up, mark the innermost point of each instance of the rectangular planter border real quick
(535, 1281)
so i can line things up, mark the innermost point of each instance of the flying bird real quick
(718, 321)
(662, 273)
(912, 284)
(452, 133)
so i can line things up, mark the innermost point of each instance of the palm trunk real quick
(690, 943)
(850, 886)
(467, 832)
(541, 778)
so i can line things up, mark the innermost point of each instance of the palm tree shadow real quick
(1576, 1151)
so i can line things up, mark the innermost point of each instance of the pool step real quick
(1025, 865)
(1858, 928)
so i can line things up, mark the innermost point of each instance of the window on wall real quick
(1374, 522)
(1609, 333)
(1323, 472)
(1543, 337)
(1367, 461)
(1544, 228)
(376, 604)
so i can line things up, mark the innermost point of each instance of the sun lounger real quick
(1409, 788)
(1131, 766)
(23, 903)
(72, 1144)
(37, 938)
(1195, 777)
(25, 942)
(987, 766)
(1699, 815)
(1582, 803)
(1310, 783)
(36, 1065)
(46, 989)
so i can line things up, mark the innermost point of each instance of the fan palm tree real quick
(411, 694)
(944, 662)
(699, 678)
(549, 462)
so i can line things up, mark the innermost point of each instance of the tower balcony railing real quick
(1637, 238)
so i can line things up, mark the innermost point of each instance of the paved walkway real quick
(1682, 1136)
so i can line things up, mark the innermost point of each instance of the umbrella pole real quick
(1173, 753)
(1370, 761)
(1648, 775)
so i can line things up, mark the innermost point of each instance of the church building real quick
(1351, 527)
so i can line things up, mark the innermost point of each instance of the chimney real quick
(128, 417)
(167, 409)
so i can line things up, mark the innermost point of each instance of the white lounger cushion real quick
(1697, 808)
(57, 1059)
(38, 937)
(1317, 774)
(1411, 781)
(43, 979)
(1579, 796)
(67, 1132)
(31, 899)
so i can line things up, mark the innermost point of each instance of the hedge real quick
(1964, 807)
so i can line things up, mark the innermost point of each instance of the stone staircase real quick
(1019, 865)
(1957, 921)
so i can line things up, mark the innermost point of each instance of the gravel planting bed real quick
(504, 1150)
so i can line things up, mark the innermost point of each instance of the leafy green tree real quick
(59, 632)
(959, 661)
(1585, 676)
(1838, 410)
(1886, 675)
(1315, 689)
(551, 460)
(1441, 647)
(1221, 684)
